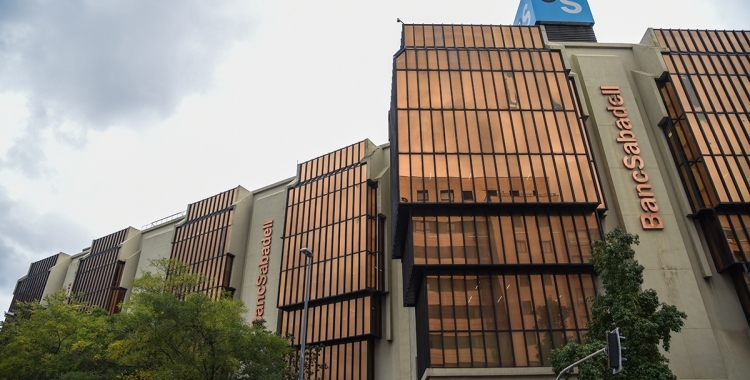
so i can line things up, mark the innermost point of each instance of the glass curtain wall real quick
(496, 195)
(707, 95)
(203, 241)
(98, 278)
(332, 210)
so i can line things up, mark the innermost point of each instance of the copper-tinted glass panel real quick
(98, 277)
(346, 361)
(335, 216)
(203, 241)
(705, 130)
(706, 96)
(496, 132)
(31, 287)
(469, 317)
(481, 239)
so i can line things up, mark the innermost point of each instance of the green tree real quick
(173, 332)
(642, 319)
(60, 338)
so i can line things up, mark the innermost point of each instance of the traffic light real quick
(615, 350)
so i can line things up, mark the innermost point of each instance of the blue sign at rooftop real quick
(535, 12)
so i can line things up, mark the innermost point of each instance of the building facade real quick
(497, 196)
(460, 248)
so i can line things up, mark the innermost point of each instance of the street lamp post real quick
(308, 253)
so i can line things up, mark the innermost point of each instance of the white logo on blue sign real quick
(533, 12)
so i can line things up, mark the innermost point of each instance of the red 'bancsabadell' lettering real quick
(650, 219)
(260, 305)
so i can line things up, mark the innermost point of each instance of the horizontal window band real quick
(340, 341)
(494, 208)
(500, 269)
(332, 299)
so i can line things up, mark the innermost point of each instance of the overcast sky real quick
(119, 113)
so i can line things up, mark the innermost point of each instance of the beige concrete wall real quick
(156, 243)
(70, 274)
(130, 252)
(396, 351)
(57, 273)
(713, 344)
(269, 204)
(716, 290)
(243, 208)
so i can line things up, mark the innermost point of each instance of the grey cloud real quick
(26, 236)
(100, 63)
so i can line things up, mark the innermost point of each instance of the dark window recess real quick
(515, 193)
(422, 196)
(467, 195)
(491, 195)
(446, 195)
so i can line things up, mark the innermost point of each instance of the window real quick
(418, 226)
(498, 309)
(521, 246)
(515, 193)
(467, 195)
(491, 195)
(691, 94)
(446, 195)
(422, 196)
(547, 246)
(510, 88)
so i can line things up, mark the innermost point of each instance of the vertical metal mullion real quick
(539, 234)
(712, 129)
(536, 316)
(727, 129)
(440, 112)
(563, 235)
(481, 312)
(502, 132)
(678, 152)
(583, 292)
(476, 117)
(512, 123)
(468, 317)
(523, 323)
(452, 110)
(543, 130)
(440, 313)
(576, 224)
(495, 318)
(524, 129)
(559, 136)
(466, 118)
(559, 309)
(493, 153)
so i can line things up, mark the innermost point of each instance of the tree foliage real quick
(59, 339)
(643, 320)
(167, 330)
(171, 331)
